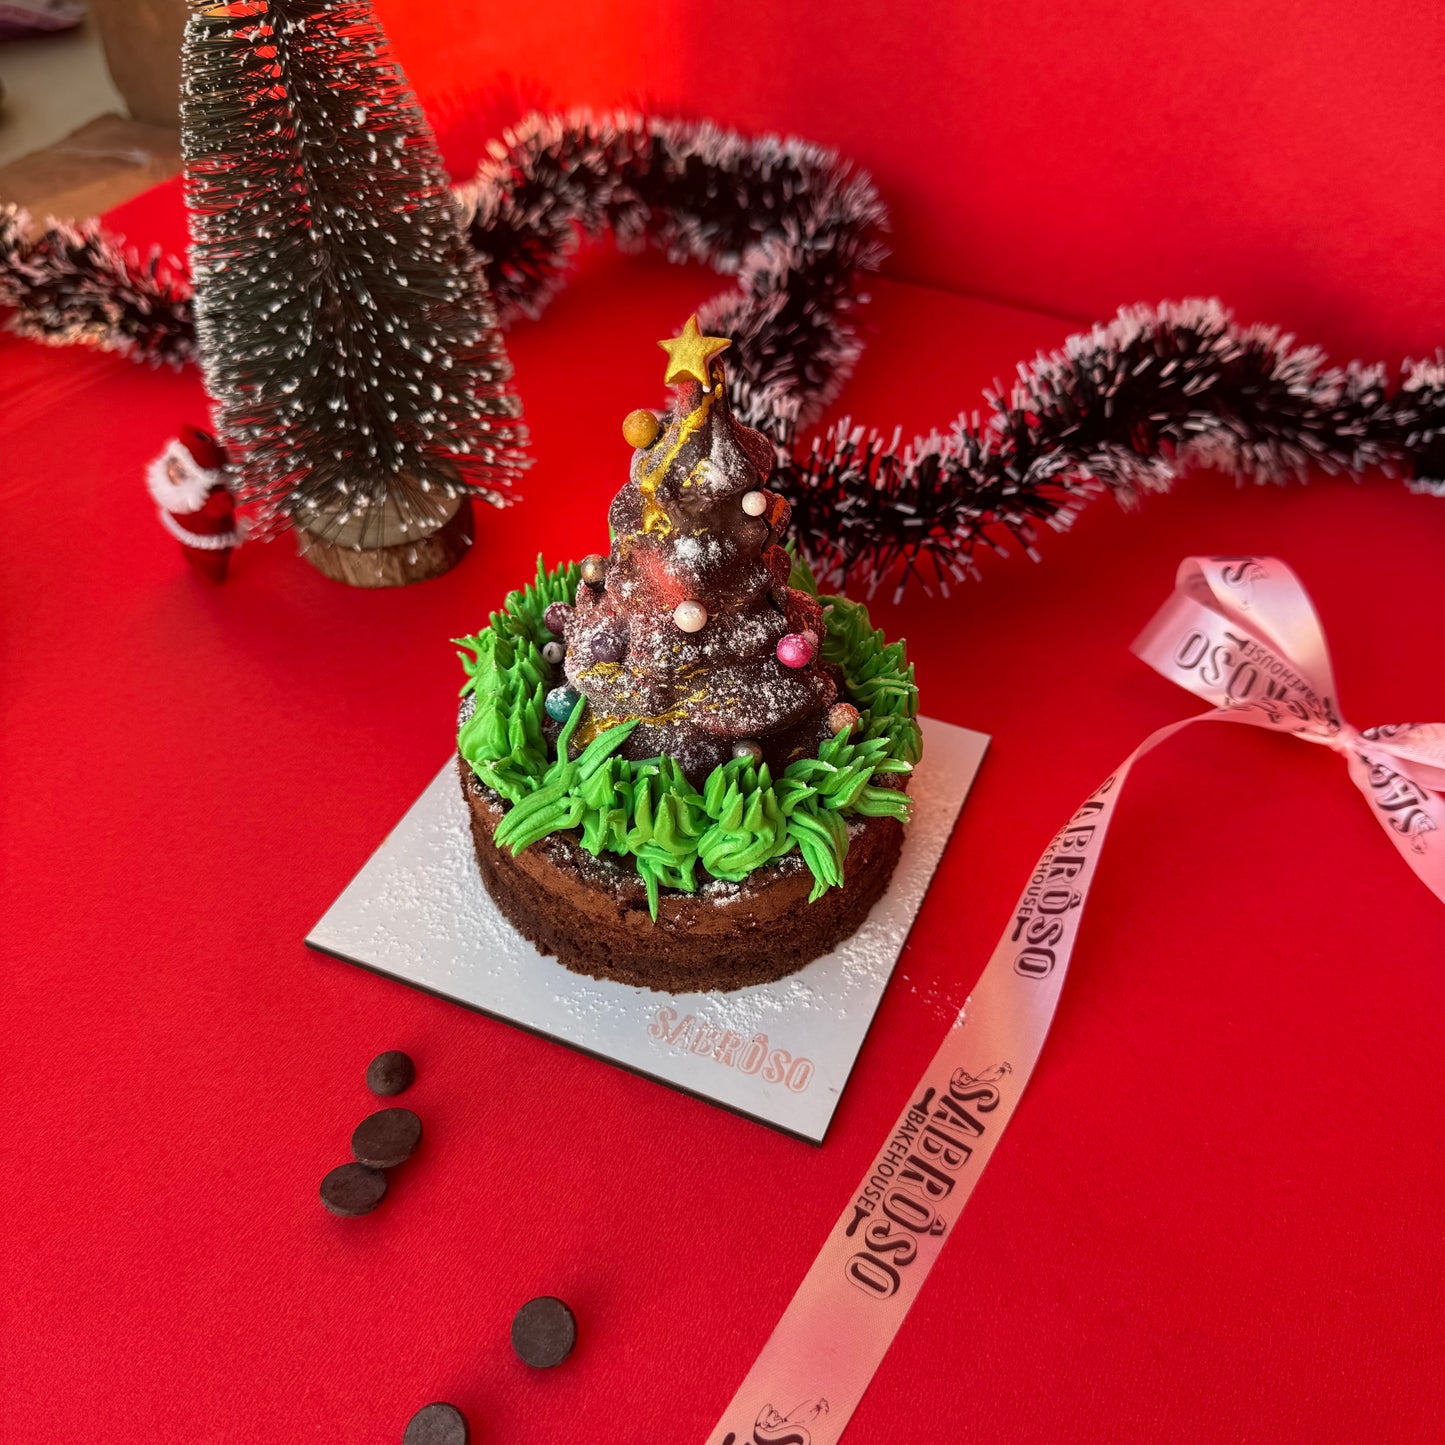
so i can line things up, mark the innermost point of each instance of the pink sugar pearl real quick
(795, 650)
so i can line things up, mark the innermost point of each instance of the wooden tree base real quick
(413, 557)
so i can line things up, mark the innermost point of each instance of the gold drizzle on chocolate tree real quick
(654, 515)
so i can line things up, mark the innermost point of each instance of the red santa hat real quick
(189, 484)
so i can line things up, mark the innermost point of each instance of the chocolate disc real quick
(543, 1332)
(439, 1424)
(386, 1138)
(352, 1189)
(390, 1073)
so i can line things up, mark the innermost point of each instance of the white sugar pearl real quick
(690, 616)
(747, 748)
(755, 503)
(554, 652)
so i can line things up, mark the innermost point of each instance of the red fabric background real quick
(1073, 156)
(1217, 1217)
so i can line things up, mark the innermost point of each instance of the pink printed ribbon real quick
(1241, 633)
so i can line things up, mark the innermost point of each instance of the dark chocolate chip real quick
(390, 1073)
(353, 1189)
(543, 1332)
(438, 1424)
(386, 1138)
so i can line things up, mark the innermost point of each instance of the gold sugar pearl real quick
(594, 570)
(640, 428)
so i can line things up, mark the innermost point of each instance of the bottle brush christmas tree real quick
(344, 326)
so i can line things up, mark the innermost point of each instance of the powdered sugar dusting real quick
(418, 911)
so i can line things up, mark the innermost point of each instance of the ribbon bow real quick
(1241, 633)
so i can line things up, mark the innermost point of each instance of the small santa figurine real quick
(190, 484)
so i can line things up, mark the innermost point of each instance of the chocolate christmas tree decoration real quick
(690, 746)
(681, 625)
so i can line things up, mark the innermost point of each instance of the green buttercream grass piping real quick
(647, 811)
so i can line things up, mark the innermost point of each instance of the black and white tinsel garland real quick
(1124, 408)
(68, 285)
(799, 228)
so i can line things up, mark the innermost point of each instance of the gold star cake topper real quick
(689, 355)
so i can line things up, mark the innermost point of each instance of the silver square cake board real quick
(779, 1053)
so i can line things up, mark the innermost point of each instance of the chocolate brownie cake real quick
(684, 767)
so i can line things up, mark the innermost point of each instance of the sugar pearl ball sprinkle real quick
(554, 652)
(841, 717)
(607, 647)
(690, 616)
(755, 503)
(795, 650)
(560, 702)
(640, 428)
(747, 748)
(556, 617)
(594, 570)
